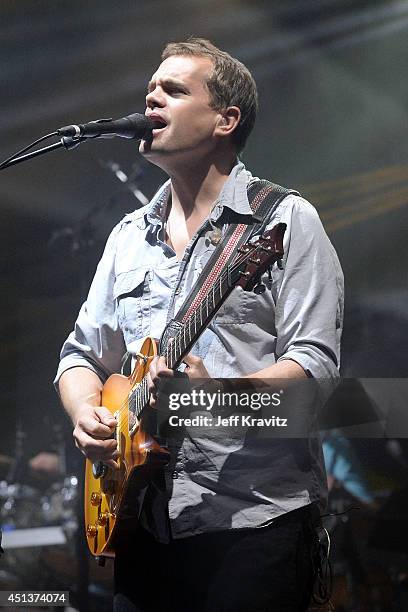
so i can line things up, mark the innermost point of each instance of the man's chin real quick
(152, 151)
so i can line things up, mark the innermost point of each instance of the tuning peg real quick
(279, 264)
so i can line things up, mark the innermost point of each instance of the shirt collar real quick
(155, 211)
(233, 195)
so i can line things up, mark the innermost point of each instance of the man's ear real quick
(228, 121)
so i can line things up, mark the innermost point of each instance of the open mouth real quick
(159, 125)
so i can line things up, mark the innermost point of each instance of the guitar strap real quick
(263, 197)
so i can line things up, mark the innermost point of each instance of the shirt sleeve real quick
(97, 341)
(309, 305)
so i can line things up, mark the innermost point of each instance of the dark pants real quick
(266, 569)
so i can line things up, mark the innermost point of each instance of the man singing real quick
(226, 526)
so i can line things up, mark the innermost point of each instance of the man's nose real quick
(155, 98)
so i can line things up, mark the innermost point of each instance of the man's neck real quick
(195, 191)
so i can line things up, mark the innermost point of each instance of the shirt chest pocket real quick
(132, 299)
(239, 307)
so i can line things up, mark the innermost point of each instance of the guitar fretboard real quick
(197, 322)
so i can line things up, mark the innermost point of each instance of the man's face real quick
(179, 99)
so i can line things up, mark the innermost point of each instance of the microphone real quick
(132, 126)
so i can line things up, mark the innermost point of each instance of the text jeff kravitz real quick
(233, 420)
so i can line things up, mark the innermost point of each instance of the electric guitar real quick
(108, 492)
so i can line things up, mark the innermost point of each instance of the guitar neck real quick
(198, 321)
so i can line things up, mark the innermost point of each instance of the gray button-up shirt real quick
(221, 480)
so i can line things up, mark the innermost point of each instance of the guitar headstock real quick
(257, 257)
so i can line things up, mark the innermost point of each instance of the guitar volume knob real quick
(96, 499)
(103, 519)
(91, 531)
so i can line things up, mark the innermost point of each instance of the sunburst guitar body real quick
(139, 453)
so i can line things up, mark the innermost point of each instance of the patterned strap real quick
(263, 197)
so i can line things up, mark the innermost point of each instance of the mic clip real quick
(70, 142)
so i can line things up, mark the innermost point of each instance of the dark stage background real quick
(333, 123)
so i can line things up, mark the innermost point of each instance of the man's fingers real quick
(92, 424)
(93, 435)
(105, 416)
(112, 464)
(192, 360)
(156, 375)
(195, 367)
(91, 445)
(96, 450)
(159, 370)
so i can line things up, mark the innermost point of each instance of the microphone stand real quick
(68, 142)
(81, 235)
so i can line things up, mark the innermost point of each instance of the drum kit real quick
(41, 529)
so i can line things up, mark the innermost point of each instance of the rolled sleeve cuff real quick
(77, 361)
(316, 362)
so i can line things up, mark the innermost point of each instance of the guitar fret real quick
(170, 356)
(142, 393)
(189, 330)
(173, 353)
(178, 339)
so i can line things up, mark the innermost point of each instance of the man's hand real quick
(159, 371)
(94, 425)
(195, 367)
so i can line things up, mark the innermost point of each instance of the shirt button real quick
(175, 475)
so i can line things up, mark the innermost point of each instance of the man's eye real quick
(176, 90)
